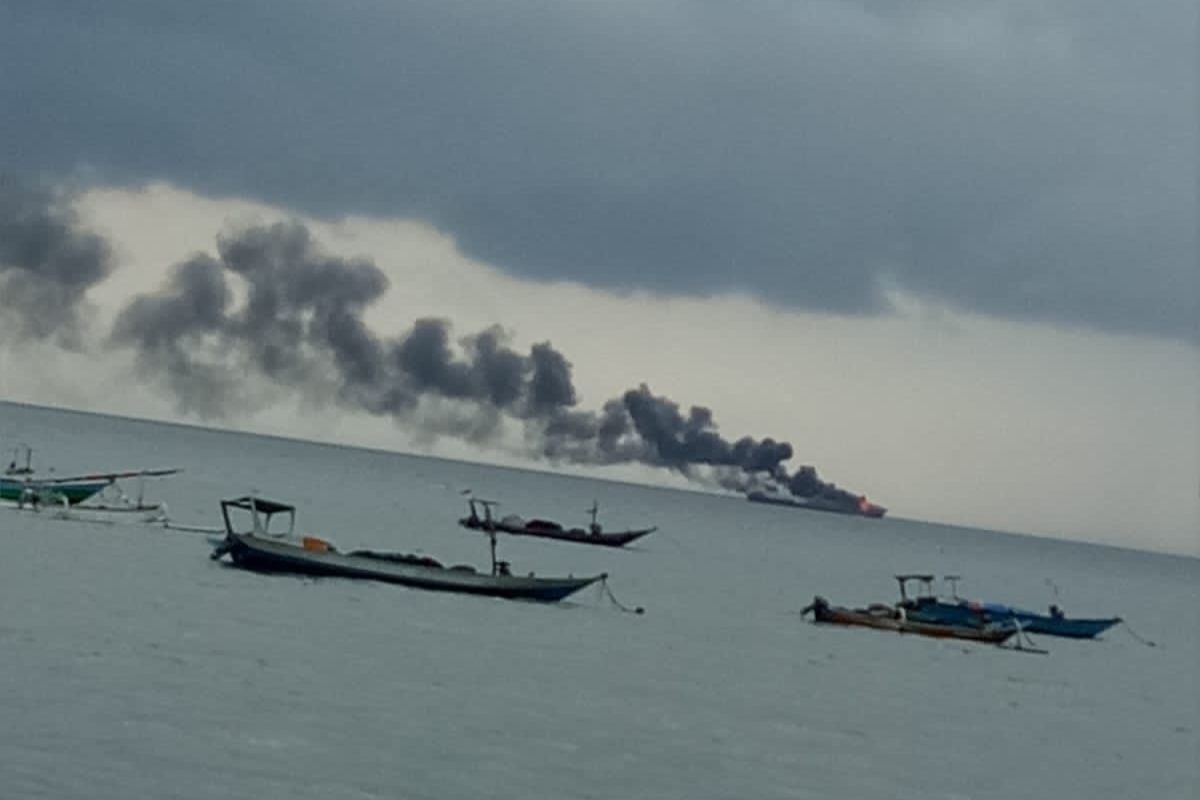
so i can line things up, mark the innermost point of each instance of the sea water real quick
(131, 665)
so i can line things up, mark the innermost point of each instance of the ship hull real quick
(817, 504)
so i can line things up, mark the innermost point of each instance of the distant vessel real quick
(839, 503)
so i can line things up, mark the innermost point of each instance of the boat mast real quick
(491, 533)
(489, 526)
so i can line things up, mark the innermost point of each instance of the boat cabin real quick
(259, 517)
(923, 595)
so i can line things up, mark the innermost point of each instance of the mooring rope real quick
(1135, 635)
(607, 590)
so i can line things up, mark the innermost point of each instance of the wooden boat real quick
(545, 528)
(890, 618)
(21, 485)
(927, 607)
(260, 549)
(43, 491)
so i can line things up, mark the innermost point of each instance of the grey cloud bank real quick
(1027, 160)
(47, 263)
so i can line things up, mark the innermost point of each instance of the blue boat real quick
(926, 607)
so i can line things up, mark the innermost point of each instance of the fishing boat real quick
(49, 491)
(268, 544)
(22, 485)
(481, 519)
(891, 618)
(954, 610)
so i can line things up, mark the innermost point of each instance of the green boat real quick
(19, 484)
(40, 490)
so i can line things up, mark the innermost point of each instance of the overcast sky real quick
(1024, 170)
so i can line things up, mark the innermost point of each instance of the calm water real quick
(132, 666)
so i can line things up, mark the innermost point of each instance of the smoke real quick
(170, 329)
(272, 309)
(806, 483)
(680, 441)
(47, 264)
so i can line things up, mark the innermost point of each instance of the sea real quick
(133, 666)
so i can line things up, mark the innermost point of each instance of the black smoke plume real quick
(805, 483)
(47, 264)
(273, 306)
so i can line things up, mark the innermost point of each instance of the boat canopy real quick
(258, 503)
(903, 580)
(261, 512)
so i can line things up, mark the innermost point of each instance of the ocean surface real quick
(132, 666)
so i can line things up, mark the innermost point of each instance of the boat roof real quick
(250, 503)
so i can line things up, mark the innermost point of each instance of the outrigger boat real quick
(891, 618)
(50, 491)
(261, 548)
(927, 607)
(20, 484)
(546, 529)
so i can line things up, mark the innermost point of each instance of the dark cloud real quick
(299, 328)
(1029, 160)
(47, 263)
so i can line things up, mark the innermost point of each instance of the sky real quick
(943, 251)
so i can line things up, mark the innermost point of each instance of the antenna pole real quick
(490, 527)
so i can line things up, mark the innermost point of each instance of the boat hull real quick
(616, 539)
(74, 492)
(869, 510)
(1067, 628)
(265, 555)
(888, 620)
(976, 614)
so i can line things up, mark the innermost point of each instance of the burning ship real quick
(806, 490)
